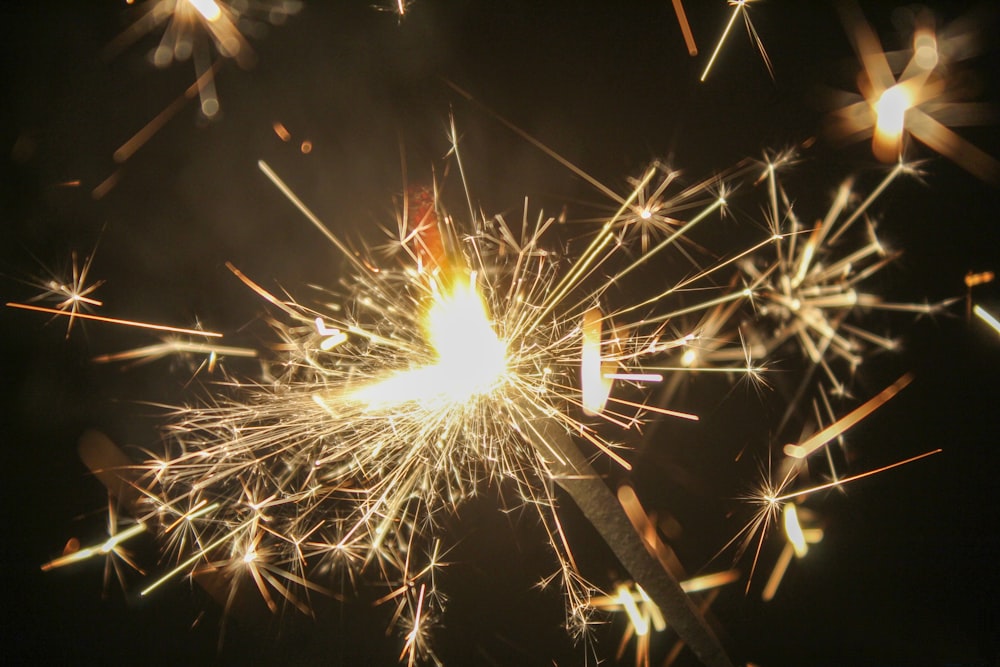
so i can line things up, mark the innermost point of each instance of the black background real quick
(907, 572)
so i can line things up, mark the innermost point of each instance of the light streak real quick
(685, 27)
(149, 130)
(852, 478)
(115, 320)
(174, 347)
(739, 9)
(797, 545)
(108, 546)
(987, 317)
(834, 430)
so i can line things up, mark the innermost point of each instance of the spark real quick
(398, 7)
(739, 9)
(109, 546)
(770, 500)
(852, 478)
(171, 347)
(115, 320)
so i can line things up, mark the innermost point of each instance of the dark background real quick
(907, 572)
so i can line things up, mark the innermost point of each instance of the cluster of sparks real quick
(436, 370)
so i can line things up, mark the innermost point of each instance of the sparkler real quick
(392, 407)
(422, 377)
(477, 353)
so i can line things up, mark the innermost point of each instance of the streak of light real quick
(150, 352)
(682, 19)
(793, 530)
(985, 316)
(854, 478)
(115, 320)
(139, 139)
(813, 443)
(102, 549)
(739, 8)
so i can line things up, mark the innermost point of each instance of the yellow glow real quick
(632, 609)
(793, 529)
(470, 357)
(595, 386)
(207, 8)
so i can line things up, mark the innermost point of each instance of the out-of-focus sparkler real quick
(188, 22)
(925, 101)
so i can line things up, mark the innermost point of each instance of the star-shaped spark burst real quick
(69, 295)
(812, 291)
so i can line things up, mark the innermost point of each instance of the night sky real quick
(907, 571)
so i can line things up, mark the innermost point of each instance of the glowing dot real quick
(306, 147)
(925, 52)
(210, 107)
